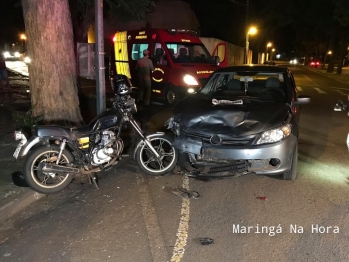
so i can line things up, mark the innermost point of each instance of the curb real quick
(17, 205)
(340, 78)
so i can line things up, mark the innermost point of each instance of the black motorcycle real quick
(56, 154)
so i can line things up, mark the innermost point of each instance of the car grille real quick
(225, 140)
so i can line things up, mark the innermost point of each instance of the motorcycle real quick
(56, 154)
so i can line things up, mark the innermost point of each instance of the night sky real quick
(11, 22)
(219, 18)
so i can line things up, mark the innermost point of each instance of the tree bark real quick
(341, 55)
(53, 79)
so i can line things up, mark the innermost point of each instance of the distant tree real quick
(53, 82)
(321, 25)
(83, 13)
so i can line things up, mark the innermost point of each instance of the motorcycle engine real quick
(107, 148)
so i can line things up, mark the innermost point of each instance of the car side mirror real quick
(217, 60)
(302, 100)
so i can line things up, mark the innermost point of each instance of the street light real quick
(251, 31)
(23, 37)
(266, 51)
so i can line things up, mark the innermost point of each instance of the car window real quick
(261, 85)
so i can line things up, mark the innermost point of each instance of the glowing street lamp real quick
(23, 37)
(329, 52)
(251, 31)
(266, 51)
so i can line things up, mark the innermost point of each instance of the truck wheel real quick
(172, 96)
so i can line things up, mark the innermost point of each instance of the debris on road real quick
(206, 241)
(179, 191)
(262, 198)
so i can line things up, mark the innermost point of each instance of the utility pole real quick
(246, 31)
(99, 57)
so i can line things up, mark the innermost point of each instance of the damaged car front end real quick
(244, 120)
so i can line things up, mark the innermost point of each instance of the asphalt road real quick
(136, 218)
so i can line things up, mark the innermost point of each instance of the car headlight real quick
(190, 80)
(27, 60)
(17, 54)
(275, 135)
(7, 54)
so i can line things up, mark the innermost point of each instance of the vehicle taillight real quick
(317, 63)
(114, 39)
(312, 63)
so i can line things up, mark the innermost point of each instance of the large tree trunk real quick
(52, 72)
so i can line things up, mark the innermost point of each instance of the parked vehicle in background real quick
(315, 63)
(269, 62)
(12, 55)
(181, 61)
(244, 120)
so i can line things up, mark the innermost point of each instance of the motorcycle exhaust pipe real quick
(52, 168)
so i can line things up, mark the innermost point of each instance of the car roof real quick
(254, 68)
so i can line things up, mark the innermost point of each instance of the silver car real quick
(243, 120)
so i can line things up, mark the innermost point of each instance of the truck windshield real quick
(189, 53)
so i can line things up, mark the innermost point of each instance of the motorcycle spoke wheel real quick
(47, 182)
(152, 165)
(48, 179)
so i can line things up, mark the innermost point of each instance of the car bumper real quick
(262, 159)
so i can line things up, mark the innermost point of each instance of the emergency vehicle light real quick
(188, 31)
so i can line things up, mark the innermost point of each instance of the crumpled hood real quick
(198, 114)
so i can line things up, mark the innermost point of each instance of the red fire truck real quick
(181, 61)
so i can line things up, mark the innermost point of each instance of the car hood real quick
(198, 114)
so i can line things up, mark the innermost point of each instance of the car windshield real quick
(268, 86)
(189, 53)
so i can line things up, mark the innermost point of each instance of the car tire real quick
(291, 174)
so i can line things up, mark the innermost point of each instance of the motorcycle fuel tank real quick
(105, 120)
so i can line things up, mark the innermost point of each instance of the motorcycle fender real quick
(141, 142)
(31, 142)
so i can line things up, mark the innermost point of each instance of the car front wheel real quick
(291, 174)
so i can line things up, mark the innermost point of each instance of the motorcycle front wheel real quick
(45, 182)
(161, 166)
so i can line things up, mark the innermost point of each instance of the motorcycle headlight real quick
(190, 80)
(275, 135)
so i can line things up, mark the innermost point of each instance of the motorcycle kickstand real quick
(93, 179)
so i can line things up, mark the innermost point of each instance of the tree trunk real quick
(53, 80)
(341, 55)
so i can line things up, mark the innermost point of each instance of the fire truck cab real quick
(181, 61)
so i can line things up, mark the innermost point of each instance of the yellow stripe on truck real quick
(121, 54)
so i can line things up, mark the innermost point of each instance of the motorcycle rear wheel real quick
(148, 163)
(47, 183)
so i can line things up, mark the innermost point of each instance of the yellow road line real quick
(182, 232)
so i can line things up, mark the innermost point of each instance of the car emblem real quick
(215, 139)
